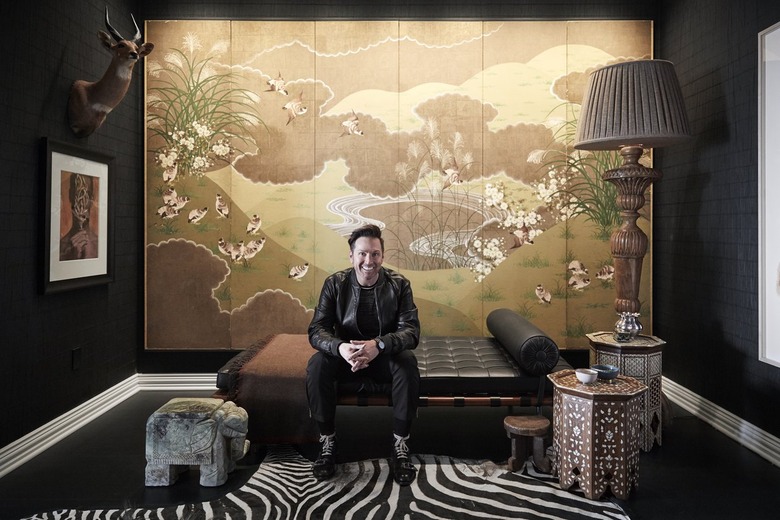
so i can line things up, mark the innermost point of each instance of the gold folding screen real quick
(267, 142)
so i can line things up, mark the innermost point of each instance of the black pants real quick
(399, 370)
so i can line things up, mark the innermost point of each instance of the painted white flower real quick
(202, 130)
(199, 163)
(221, 149)
(167, 160)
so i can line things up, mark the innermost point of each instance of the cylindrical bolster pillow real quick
(533, 350)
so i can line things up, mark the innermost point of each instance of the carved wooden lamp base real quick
(628, 243)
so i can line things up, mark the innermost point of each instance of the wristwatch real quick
(380, 345)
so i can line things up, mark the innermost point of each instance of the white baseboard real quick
(24, 449)
(753, 438)
(177, 382)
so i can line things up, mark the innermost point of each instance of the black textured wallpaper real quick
(59, 350)
(705, 230)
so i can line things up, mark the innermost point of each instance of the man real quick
(365, 327)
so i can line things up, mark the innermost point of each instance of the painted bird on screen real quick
(295, 108)
(277, 85)
(351, 126)
(168, 195)
(197, 214)
(253, 227)
(252, 248)
(299, 271)
(543, 294)
(222, 207)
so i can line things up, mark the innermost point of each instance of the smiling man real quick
(364, 329)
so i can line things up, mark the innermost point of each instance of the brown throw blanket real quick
(272, 387)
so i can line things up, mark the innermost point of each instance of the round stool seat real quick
(527, 425)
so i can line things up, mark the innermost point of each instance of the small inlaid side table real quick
(640, 358)
(596, 433)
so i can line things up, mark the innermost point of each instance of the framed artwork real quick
(769, 189)
(78, 217)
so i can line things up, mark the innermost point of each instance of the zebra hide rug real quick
(446, 488)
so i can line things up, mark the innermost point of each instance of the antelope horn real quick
(137, 35)
(114, 33)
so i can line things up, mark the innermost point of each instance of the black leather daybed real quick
(507, 369)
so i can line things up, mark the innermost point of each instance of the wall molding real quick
(176, 382)
(751, 437)
(37, 441)
(20, 451)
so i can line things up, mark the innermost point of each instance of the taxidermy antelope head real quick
(89, 101)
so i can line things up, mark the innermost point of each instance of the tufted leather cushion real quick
(533, 350)
(464, 366)
(468, 365)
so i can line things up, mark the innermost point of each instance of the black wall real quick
(705, 232)
(397, 9)
(46, 46)
(705, 272)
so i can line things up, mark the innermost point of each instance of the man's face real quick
(366, 257)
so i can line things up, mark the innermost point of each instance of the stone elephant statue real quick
(209, 433)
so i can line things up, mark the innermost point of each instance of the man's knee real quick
(313, 367)
(320, 366)
(405, 364)
(315, 361)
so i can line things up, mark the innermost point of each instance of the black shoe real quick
(404, 471)
(325, 465)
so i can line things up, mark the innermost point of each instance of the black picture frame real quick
(78, 217)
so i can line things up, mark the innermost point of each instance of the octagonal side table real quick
(641, 358)
(596, 433)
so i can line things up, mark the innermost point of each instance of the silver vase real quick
(627, 327)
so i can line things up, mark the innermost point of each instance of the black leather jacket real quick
(335, 318)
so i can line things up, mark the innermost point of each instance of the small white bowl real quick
(586, 375)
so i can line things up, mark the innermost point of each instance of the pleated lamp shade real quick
(635, 103)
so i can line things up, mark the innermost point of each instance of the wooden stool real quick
(521, 429)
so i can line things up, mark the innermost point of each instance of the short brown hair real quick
(368, 230)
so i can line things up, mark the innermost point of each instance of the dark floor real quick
(697, 473)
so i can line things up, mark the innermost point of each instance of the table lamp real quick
(628, 107)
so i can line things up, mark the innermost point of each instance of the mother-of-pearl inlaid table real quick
(641, 358)
(596, 433)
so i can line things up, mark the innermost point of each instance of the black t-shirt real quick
(367, 317)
